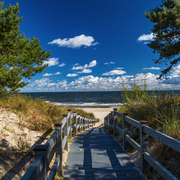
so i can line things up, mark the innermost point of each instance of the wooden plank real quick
(119, 114)
(63, 122)
(159, 168)
(133, 143)
(94, 154)
(119, 129)
(34, 170)
(64, 142)
(165, 139)
(133, 122)
(54, 168)
(52, 140)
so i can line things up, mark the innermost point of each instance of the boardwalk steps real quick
(96, 155)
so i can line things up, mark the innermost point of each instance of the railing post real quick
(66, 131)
(41, 150)
(112, 119)
(125, 131)
(59, 149)
(82, 117)
(69, 122)
(143, 146)
(115, 121)
(75, 122)
(108, 121)
(79, 123)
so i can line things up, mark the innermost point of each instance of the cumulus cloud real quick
(91, 82)
(57, 73)
(61, 65)
(91, 64)
(78, 67)
(114, 72)
(51, 74)
(75, 42)
(72, 75)
(154, 68)
(46, 74)
(40, 82)
(85, 71)
(146, 37)
(112, 63)
(52, 61)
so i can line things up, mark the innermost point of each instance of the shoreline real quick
(99, 113)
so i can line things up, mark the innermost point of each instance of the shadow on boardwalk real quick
(96, 155)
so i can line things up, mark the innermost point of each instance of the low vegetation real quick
(38, 114)
(162, 111)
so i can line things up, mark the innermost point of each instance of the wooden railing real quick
(110, 123)
(39, 168)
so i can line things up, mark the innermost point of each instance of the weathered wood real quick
(54, 168)
(133, 122)
(142, 148)
(94, 154)
(125, 131)
(158, 167)
(165, 139)
(133, 143)
(41, 150)
(34, 170)
(59, 149)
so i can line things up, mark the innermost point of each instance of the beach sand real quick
(99, 113)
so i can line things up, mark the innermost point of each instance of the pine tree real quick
(166, 30)
(19, 57)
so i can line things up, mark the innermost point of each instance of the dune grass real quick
(162, 111)
(38, 114)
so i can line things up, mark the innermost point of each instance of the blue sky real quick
(92, 44)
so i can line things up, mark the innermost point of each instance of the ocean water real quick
(86, 99)
(81, 99)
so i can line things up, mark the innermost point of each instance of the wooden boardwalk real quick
(96, 155)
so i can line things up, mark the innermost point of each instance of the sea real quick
(88, 99)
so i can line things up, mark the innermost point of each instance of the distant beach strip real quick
(88, 105)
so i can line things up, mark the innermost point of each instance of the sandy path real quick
(99, 113)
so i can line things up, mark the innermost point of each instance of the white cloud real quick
(51, 84)
(57, 73)
(114, 72)
(51, 74)
(46, 74)
(61, 65)
(92, 63)
(75, 42)
(72, 75)
(146, 37)
(120, 68)
(84, 68)
(154, 68)
(86, 71)
(52, 61)
(78, 67)
(106, 63)
(91, 82)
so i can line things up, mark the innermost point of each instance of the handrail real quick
(64, 129)
(110, 122)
